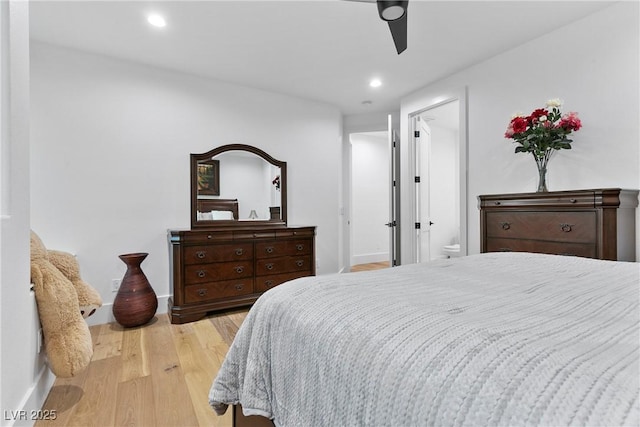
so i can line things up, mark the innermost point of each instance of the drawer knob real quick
(299, 263)
(566, 227)
(497, 203)
(201, 254)
(202, 292)
(239, 251)
(269, 266)
(268, 283)
(201, 273)
(299, 246)
(505, 225)
(239, 287)
(269, 249)
(239, 269)
(573, 201)
(209, 236)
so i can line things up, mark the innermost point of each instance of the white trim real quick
(33, 400)
(367, 258)
(104, 314)
(408, 111)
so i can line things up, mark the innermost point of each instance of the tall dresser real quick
(225, 268)
(596, 223)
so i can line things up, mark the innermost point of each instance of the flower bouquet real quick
(541, 133)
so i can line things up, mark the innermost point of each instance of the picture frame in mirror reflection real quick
(209, 177)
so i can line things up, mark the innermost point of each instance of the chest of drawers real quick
(589, 223)
(221, 269)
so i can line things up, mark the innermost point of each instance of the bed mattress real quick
(499, 339)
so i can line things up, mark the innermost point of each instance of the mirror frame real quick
(195, 158)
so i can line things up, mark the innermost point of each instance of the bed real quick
(217, 209)
(499, 339)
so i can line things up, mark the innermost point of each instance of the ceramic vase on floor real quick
(136, 302)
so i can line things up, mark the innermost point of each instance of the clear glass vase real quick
(541, 162)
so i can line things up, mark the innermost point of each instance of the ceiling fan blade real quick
(399, 32)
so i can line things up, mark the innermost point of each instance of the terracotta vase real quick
(135, 303)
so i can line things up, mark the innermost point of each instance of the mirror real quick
(235, 184)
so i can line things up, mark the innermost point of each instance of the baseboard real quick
(105, 313)
(367, 258)
(33, 400)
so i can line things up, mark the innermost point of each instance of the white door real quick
(422, 135)
(394, 195)
(436, 154)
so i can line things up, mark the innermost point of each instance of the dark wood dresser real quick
(224, 268)
(589, 223)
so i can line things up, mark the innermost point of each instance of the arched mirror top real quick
(237, 184)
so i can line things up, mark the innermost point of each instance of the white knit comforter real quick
(501, 339)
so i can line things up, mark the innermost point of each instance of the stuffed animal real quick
(64, 300)
(88, 298)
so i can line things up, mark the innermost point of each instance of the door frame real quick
(408, 198)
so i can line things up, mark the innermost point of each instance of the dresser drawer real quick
(555, 226)
(217, 271)
(217, 253)
(283, 265)
(278, 248)
(550, 199)
(296, 232)
(213, 290)
(264, 283)
(544, 247)
(206, 236)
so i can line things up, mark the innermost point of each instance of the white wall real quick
(25, 379)
(110, 158)
(369, 197)
(593, 64)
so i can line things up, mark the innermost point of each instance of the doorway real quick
(369, 198)
(436, 146)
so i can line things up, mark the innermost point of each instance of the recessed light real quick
(156, 21)
(375, 83)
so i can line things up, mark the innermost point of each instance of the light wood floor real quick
(155, 375)
(370, 266)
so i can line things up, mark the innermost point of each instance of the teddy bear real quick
(64, 301)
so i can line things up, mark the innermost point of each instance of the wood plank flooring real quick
(155, 375)
(370, 266)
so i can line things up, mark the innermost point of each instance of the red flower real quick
(570, 122)
(519, 124)
(537, 113)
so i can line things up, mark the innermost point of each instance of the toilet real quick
(452, 250)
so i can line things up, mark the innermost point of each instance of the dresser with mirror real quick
(239, 244)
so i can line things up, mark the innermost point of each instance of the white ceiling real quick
(324, 50)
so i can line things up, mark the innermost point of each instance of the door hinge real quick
(417, 225)
(417, 179)
(416, 134)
